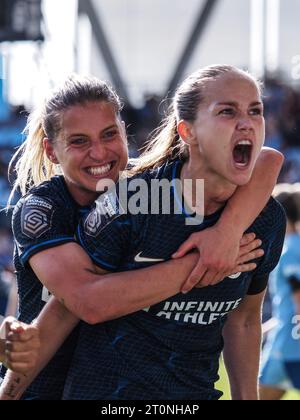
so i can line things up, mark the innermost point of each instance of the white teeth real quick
(244, 143)
(100, 170)
(241, 165)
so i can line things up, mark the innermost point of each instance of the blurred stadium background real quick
(144, 48)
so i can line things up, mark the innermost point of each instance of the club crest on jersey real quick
(92, 223)
(36, 217)
(107, 209)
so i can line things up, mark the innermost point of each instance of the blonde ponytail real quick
(32, 166)
(164, 146)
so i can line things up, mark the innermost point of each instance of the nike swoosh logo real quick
(140, 259)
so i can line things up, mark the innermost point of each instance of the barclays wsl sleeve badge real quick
(37, 214)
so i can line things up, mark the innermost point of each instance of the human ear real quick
(186, 132)
(48, 147)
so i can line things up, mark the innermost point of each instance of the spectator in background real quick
(4, 187)
(281, 357)
(282, 110)
(290, 129)
(8, 298)
(290, 119)
(11, 129)
(274, 137)
(141, 122)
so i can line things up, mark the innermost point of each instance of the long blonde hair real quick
(30, 163)
(166, 144)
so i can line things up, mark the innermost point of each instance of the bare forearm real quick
(95, 295)
(253, 197)
(54, 323)
(120, 294)
(13, 386)
(241, 356)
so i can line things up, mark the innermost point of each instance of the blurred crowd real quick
(282, 110)
(12, 124)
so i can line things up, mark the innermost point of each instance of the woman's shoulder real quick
(49, 194)
(272, 220)
(47, 188)
(45, 208)
(168, 170)
(274, 209)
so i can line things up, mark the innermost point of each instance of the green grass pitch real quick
(223, 386)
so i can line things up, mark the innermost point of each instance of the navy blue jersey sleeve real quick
(40, 223)
(258, 285)
(271, 229)
(106, 233)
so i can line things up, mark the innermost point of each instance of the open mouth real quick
(100, 170)
(242, 153)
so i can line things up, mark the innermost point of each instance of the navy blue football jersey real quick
(171, 350)
(44, 218)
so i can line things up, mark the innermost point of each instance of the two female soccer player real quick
(216, 133)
